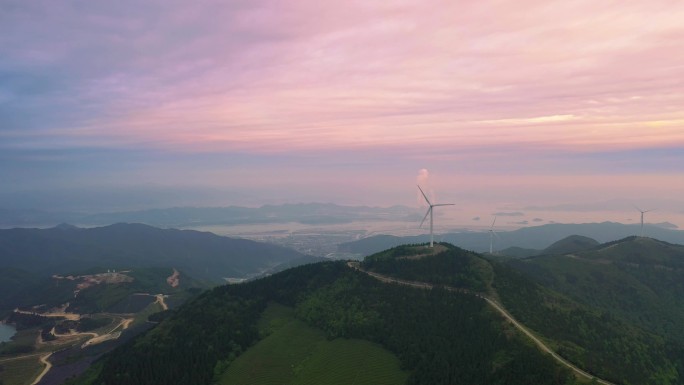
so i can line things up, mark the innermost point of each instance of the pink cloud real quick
(271, 76)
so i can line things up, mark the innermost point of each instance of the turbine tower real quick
(429, 212)
(492, 233)
(642, 218)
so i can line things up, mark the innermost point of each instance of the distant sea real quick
(6, 332)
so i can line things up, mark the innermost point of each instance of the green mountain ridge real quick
(438, 336)
(638, 279)
(430, 331)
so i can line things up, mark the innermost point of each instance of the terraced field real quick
(296, 354)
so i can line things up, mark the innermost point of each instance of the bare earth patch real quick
(174, 279)
(95, 279)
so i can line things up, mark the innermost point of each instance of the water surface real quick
(6, 332)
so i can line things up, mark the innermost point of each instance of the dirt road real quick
(69, 316)
(499, 307)
(124, 323)
(160, 301)
(48, 366)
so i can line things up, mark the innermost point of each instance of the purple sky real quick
(130, 104)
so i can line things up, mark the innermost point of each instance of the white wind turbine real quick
(429, 212)
(642, 218)
(492, 233)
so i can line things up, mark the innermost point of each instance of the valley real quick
(65, 336)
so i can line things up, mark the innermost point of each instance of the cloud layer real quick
(520, 90)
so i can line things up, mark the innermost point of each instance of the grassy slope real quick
(21, 371)
(294, 353)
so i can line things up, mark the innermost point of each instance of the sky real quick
(574, 106)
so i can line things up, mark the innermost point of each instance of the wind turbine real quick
(492, 233)
(429, 212)
(642, 218)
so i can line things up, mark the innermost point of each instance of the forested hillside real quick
(440, 337)
(638, 280)
(600, 340)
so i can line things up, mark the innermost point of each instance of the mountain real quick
(68, 249)
(29, 217)
(15, 284)
(229, 335)
(534, 237)
(452, 333)
(590, 335)
(638, 279)
(571, 244)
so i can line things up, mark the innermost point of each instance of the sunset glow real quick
(254, 102)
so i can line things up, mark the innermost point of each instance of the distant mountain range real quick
(519, 243)
(571, 244)
(66, 249)
(307, 213)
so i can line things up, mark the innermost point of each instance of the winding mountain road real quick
(496, 305)
(44, 360)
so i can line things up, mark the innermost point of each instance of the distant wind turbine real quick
(429, 212)
(492, 233)
(642, 218)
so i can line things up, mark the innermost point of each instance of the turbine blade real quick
(648, 211)
(424, 196)
(493, 222)
(443, 204)
(637, 207)
(496, 235)
(425, 217)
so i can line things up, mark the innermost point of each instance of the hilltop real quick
(571, 244)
